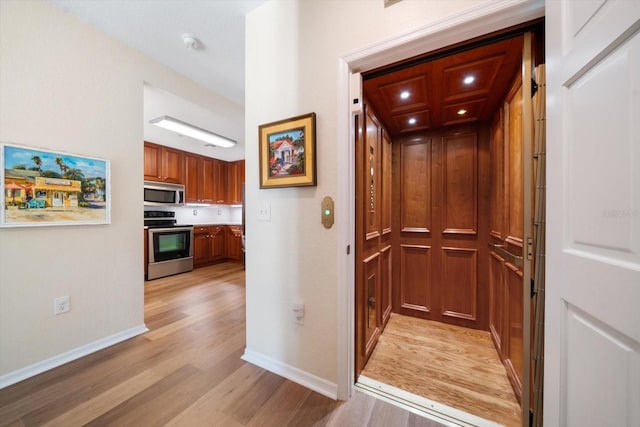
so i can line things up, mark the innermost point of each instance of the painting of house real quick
(47, 188)
(286, 153)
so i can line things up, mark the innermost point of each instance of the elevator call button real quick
(327, 212)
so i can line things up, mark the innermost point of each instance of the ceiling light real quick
(405, 94)
(412, 121)
(468, 80)
(192, 131)
(462, 112)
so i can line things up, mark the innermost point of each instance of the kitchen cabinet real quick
(199, 176)
(234, 242)
(163, 164)
(219, 181)
(208, 244)
(235, 180)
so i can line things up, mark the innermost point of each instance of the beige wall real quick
(293, 50)
(65, 86)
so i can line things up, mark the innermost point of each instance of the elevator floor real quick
(454, 366)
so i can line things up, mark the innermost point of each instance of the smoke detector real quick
(190, 41)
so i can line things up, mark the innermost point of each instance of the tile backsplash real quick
(217, 214)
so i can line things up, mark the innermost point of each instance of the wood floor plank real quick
(281, 407)
(186, 371)
(451, 365)
(316, 411)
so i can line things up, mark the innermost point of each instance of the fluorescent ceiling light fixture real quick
(462, 112)
(468, 80)
(412, 121)
(192, 131)
(405, 94)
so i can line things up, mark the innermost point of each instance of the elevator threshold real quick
(443, 414)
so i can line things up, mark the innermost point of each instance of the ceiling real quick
(433, 93)
(155, 28)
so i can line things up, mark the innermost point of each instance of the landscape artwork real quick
(44, 188)
(287, 152)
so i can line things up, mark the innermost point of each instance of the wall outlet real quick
(298, 312)
(61, 305)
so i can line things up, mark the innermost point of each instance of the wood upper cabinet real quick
(235, 179)
(163, 164)
(219, 181)
(199, 179)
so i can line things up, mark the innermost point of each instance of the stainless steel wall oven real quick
(170, 245)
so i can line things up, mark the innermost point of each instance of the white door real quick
(592, 342)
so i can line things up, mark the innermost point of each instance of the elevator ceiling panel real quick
(466, 86)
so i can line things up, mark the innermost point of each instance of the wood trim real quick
(407, 282)
(471, 282)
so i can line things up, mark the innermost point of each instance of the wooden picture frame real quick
(288, 152)
(46, 188)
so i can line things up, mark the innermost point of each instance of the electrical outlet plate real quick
(61, 305)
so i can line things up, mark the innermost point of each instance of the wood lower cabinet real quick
(234, 242)
(163, 164)
(208, 245)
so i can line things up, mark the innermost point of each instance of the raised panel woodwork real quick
(370, 296)
(497, 302)
(218, 247)
(385, 284)
(459, 282)
(436, 89)
(514, 362)
(415, 187)
(415, 273)
(372, 176)
(219, 181)
(206, 180)
(201, 246)
(513, 144)
(386, 183)
(460, 184)
(235, 181)
(497, 168)
(163, 164)
(199, 179)
(234, 242)
(152, 162)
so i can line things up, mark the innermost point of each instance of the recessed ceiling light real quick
(405, 94)
(462, 112)
(468, 80)
(412, 121)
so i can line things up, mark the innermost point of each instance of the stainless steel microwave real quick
(163, 194)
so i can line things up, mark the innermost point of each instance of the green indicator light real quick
(327, 212)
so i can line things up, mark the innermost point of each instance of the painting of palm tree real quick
(49, 188)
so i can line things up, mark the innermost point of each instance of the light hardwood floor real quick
(455, 366)
(186, 371)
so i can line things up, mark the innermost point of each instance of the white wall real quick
(67, 87)
(292, 61)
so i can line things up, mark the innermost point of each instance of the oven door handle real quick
(169, 229)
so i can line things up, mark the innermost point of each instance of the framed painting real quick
(46, 188)
(288, 152)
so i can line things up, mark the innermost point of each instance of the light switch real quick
(327, 212)
(264, 212)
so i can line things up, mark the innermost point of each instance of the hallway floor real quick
(455, 366)
(186, 371)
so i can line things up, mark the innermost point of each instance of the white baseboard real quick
(292, 373)
(55, 361)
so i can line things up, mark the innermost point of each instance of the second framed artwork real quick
(288, 152)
